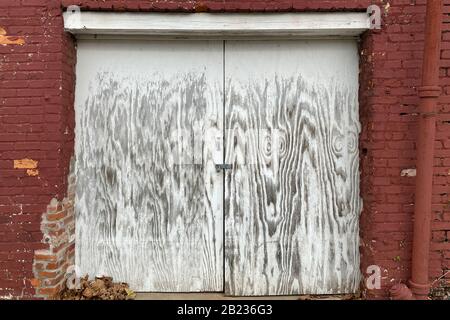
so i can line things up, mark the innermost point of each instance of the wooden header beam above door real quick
(223, 25)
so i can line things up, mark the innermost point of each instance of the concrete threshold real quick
(221, 296)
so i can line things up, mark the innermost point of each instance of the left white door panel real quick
(148, 199)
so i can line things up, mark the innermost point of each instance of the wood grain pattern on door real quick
(149, 201)
(292, 200)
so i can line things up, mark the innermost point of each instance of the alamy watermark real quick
(374, 12)
(373, 281)
(74, 16)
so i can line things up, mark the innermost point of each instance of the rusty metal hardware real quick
(224, 166)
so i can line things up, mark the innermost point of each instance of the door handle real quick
(224, 166)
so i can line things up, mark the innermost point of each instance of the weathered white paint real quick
(144, 215)
(292, 202)
(217, 24)
(292, 199)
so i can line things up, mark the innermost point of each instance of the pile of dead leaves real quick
(440, 293)
(101, 288)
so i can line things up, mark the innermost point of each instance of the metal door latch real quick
(224, 166)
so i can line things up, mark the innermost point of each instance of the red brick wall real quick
(37, 120)
(392, 62)
(441, 195)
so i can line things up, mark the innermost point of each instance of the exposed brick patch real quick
(9, 40)
(58, 227)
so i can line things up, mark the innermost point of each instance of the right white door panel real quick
(292, 199)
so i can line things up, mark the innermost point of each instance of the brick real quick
(32, 2)
(56, 216)
(440, 246)
(35, 282)
(45, 257)
(48, 274)
(48, 291)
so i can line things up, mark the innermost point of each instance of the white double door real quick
(154, 119)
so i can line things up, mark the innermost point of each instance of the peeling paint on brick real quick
(29, 164)
(25, 164)
(387, 6)
(408, 172)
(7, 40)
(32, 172)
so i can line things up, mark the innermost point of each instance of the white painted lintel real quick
(337, 24)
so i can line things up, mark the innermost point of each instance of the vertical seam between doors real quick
(223, 171)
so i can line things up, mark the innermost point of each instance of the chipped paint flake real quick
(32, 172)
(408, 173)
(6, 40)
(25, 164)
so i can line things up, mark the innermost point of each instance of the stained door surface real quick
(153, 118)
(148, 198)
(292, 199)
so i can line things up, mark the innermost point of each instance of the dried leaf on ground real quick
(100, 288)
